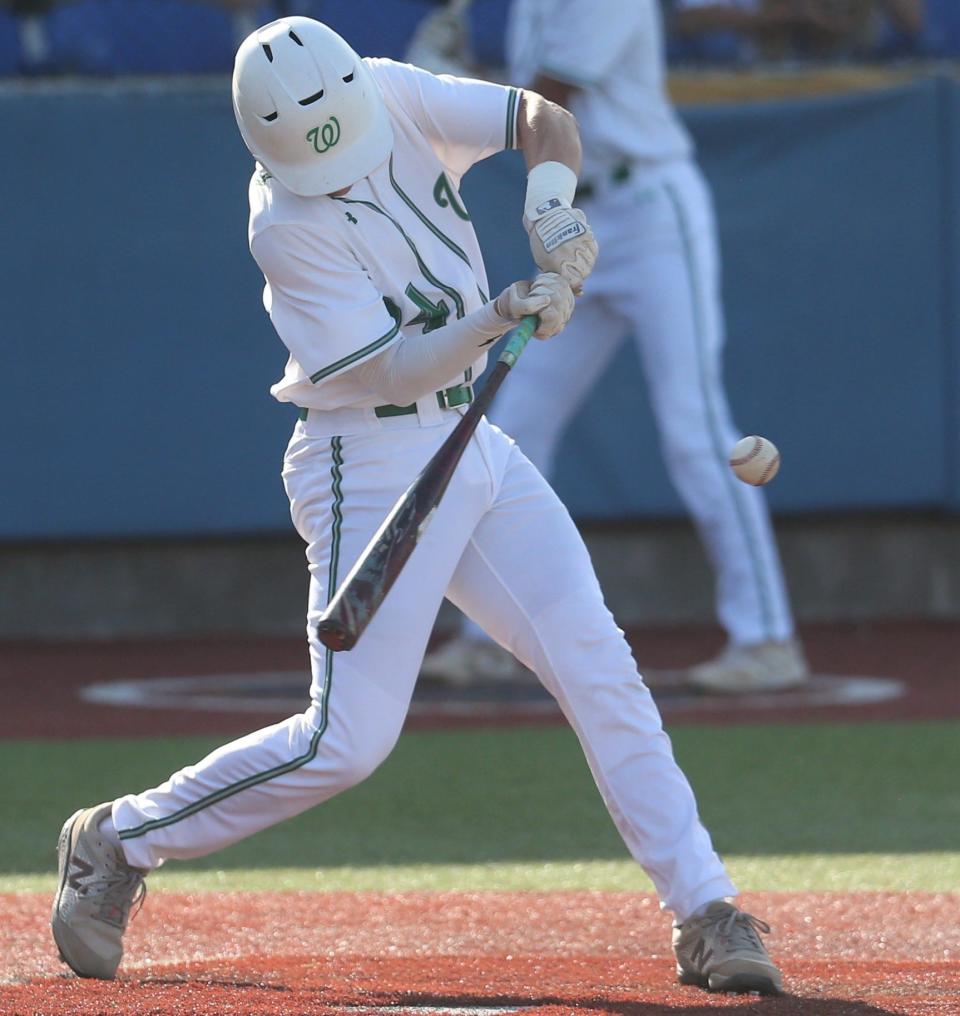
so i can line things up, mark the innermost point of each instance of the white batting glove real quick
(549, 296)
(561, 241)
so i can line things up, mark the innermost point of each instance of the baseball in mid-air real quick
(755, 460)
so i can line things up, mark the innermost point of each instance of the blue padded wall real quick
(9, 44)
(136, 355)
(140, 37)
(373, 27)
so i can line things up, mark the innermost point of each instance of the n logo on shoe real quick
(79, 870)
(700, 955)
(111, 913)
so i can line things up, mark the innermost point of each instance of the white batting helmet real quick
(308, 107)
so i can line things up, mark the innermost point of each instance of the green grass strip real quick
(933, 872)
(812, 805)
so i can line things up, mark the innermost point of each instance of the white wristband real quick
(549, 185)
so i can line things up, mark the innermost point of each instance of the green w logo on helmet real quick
(325, 137)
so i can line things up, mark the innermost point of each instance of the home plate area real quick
(435, 702)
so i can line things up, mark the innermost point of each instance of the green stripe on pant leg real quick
(336, 472)
(721, 453)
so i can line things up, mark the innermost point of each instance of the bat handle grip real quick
(519, 337)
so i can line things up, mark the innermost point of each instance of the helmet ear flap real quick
(308, 108)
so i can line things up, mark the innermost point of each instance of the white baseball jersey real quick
(348, 276)
(613, 51)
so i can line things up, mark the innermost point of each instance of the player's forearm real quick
(560, 239)
(547, 133)
(420, 364)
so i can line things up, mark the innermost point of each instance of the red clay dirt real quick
(430, 953)
(923, 654)
(472, 954)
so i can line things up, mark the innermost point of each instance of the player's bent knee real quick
(357, 768)
(352, 756)
(574, 634)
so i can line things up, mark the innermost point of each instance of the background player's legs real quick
(340, 490)
(671, 290)
(526, 577)
(550, 381)
(535, 406)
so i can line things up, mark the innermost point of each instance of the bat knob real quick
(335, 636)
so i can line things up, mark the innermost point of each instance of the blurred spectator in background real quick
(463, 37)
(744, 31)
(20, 7)
(31, 42)
(247, 14)
(441, 41)
(42, 6)
(116, 37)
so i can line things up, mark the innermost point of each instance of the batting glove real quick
(561, 241)
(549, 296)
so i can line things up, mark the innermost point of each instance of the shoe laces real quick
(739, 928)
(118, 890)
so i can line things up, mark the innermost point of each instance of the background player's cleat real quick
(740, 670)
(464, 661)
(722, 951)
(97, 889)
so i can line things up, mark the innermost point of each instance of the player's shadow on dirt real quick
(756, 1005)
(782, 1005)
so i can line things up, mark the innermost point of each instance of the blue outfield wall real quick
(136, 354)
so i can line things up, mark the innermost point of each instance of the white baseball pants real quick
(658, 279)
(504, 549)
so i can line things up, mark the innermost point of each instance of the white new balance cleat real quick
(97, 890)
(740, 670)
(463, 661)
(721, 951)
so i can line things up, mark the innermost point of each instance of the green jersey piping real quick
(427, 274)
(359, 354)
(437, 232)
(336, 472)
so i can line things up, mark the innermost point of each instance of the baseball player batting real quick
(658, 281)
(376, 285)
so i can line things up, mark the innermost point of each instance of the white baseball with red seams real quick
(755, 460)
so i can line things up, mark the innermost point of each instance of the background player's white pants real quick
(506, 552)
(658, 279)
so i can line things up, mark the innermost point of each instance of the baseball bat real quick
(371, 578)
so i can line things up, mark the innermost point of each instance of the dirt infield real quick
(474, 954)
(42, 683)
(483, 953)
